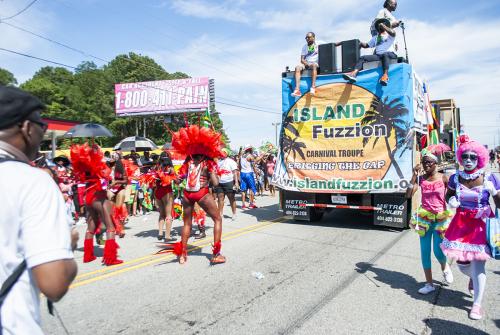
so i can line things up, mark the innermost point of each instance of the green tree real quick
(7, 78)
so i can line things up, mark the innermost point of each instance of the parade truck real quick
(351, 145)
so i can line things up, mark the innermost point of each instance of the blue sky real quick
(245, 45)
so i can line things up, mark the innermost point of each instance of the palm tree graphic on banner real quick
(392, 114)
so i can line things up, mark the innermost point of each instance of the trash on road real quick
(257, 275)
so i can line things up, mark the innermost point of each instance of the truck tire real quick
(316, 215)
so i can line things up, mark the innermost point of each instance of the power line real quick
(34, 57)
(20, 12)
(73, 67)
(55, 42)
(86, 54)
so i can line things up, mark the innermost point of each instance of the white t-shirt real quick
(226, 167)
(384, 13)
(246, 166)
(311, 56)
(34, 227)
(385, 44)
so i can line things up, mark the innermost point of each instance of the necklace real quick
(470, 176)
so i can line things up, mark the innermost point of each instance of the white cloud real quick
(227, 10)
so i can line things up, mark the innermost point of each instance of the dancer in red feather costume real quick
(89, 167)
(200, 146)
(122, 170)
(164, 195)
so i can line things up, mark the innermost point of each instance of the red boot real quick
(88, 250)
(180, 249)
(116, 217)
(110, 256)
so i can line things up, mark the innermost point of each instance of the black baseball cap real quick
(16, 106)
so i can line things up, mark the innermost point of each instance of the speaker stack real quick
(327, 58)
(350, 55)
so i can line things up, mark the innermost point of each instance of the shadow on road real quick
(402, 281)
(444, 327)
(193, 253)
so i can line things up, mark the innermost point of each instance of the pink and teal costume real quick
(465, 238)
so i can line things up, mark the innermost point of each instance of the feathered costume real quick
(89, 167)
(190, 141)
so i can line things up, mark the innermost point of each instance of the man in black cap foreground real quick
(384, 50)
(34, 230)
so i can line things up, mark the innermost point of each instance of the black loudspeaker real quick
(327, 58)
(350, 55)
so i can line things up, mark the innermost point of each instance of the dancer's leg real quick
(479, 279)
(168, 201)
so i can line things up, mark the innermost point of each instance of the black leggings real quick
(371, 58)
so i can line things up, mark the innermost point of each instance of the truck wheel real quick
(316, 215)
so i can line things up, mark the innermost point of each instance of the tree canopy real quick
(7, 78)
(87, 95)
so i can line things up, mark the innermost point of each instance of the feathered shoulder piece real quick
(130, 168)
(195, 140)
(88, 161)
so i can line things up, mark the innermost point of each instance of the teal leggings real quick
(425, 247)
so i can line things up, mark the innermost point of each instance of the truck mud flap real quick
(393, 212)
(294, 205)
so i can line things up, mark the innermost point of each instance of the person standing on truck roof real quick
(432, 217)
(384, 50)
(386, 13)
(308, 60)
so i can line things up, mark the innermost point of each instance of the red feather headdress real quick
(88, 160)
(195, 140)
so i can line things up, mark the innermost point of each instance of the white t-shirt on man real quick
(310, 55)
(246, 166)
(382, 43)
(33, 226)
(226, 168)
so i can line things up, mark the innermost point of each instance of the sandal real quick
(218, 259)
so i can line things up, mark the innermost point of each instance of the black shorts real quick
(224, 188)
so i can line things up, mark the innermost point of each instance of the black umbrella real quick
(136, 143)
(88, 130)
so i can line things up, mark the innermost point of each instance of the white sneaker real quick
(312, 90)
(448, 275)
(428, 288)
(233, 218)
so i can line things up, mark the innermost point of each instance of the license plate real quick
(339, 199)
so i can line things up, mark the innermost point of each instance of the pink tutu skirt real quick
(465, 238)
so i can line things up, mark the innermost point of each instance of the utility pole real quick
(276, 133)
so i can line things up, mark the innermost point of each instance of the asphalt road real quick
(338, 276)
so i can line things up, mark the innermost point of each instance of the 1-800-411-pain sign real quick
(162, 96)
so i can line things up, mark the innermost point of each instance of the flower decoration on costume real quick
(88, 161)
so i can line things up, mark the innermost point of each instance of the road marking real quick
(150, 256)
(228, 236)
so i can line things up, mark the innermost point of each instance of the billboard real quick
(348, 137)
(163, 97)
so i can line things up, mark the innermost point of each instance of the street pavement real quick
(337, 276)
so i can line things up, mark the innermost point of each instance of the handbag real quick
(493, 235)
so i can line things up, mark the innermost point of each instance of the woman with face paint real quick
(469, 191)
(432, 218)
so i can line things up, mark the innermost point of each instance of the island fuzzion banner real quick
(348, 137)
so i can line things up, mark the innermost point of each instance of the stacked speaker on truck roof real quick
(328, 56)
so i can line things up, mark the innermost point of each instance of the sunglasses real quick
(41, 123)
(309, 37)
(428, 162)
(472, 157)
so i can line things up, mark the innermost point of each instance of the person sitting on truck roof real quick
(384, 50)
(308, 60)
